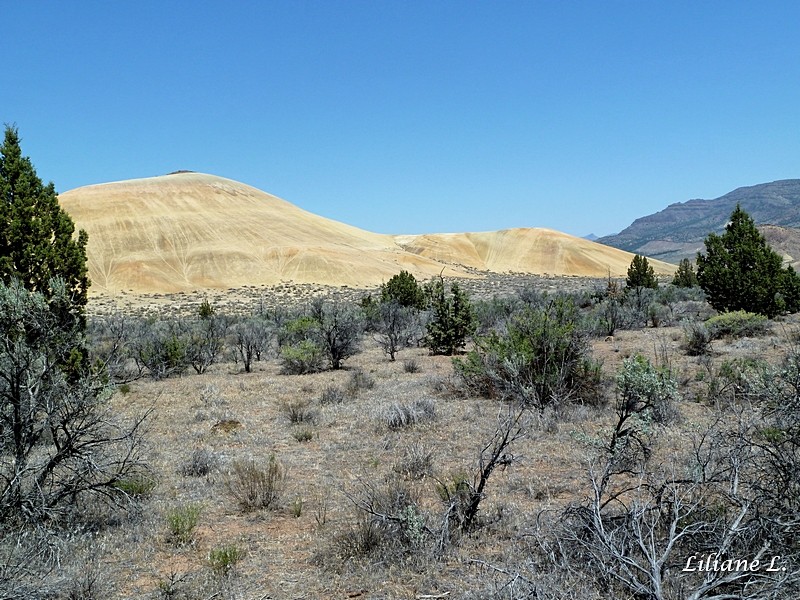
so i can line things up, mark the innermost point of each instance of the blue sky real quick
(412, 117)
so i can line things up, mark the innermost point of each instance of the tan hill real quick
(188, 231)
(525, 250)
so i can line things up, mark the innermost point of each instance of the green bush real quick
(302, 357)
(452, 319)
(303, 434)
(181, 523)
(685, 277)
(136, 486)
(654, 390)
(297, 329)
(739, 271)
(542, 358)
(223, 559)
(641, 274)
(403, 289)
(737, 323)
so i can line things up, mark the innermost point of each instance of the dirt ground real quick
(290, 549)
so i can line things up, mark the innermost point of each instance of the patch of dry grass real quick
(244, 419)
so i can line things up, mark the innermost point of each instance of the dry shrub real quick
(411, 365)
(400, 415)
(199, 464)
(332, 394)
(416, 462)
(298, 410)
(254, 487)
(359, 380)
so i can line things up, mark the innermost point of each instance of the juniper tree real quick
(452, 321)
(37, 241)
(685, 276)
(739, 271)
(404, 289)
(641, 274)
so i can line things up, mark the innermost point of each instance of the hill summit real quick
(187, 231)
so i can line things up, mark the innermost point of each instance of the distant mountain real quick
(679, 230)
(591, 237)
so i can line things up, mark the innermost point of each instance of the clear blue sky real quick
(415, 116)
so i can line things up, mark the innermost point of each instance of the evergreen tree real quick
(403, 289)
(641, 274)
(685, 275)
(453, 319)
(739, 271)
(37, 244)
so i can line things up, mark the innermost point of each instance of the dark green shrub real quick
(543, 357)
(641, 274)
(404, 290)
(452, 319)
(739, 271)
(38, 241)
(685, 277)
(205, 310)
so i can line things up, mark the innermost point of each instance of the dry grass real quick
(284, 552)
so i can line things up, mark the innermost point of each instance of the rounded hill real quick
(188, 231)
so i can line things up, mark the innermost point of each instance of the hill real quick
(524, 250)
(679, 230)
(188, 231)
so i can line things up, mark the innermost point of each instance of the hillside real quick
(678, 231)
(188, 231)
(523, 250)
